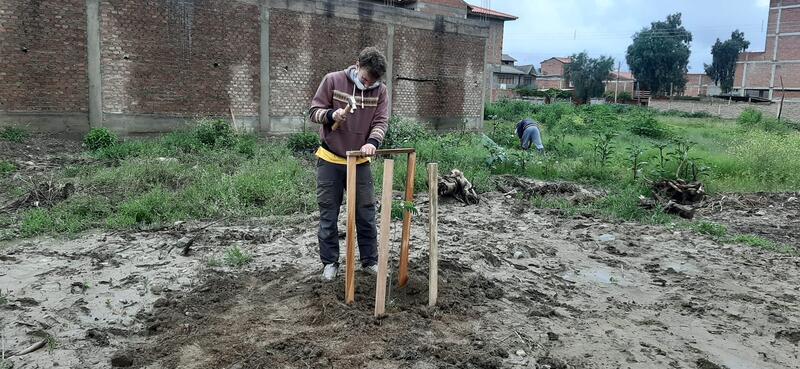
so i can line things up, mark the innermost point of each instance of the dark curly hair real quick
(373, 61)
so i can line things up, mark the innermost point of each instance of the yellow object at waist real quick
(336, 159)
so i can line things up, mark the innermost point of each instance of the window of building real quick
(507, 79)
(527, 81)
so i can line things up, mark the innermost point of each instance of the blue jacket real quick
(523, 124)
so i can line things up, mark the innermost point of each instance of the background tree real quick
(723, 65)
(587, 75)
(659, 56)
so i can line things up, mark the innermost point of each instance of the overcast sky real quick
(548, 28)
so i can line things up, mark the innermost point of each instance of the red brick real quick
(51, 75)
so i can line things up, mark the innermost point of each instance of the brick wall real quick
(43, 56)
(445, 81)
(791, 110)
(495, 41)
(305, 47)
(552, 67)
(179, 57)
(162, 61)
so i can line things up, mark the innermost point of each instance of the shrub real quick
(571, 123)
(303, 141)
(549, 115)
(507, 110)
(645, 125)
(99, 138)
(774, 125)
(750, 117)
(404, 132)
(14, 134)
(215, 133)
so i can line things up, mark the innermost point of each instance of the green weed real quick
(99, 138)
(236, 257)
(14, 134)
(717, 231)
(765, 244)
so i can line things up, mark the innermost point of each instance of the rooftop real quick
(506, 57)
(486, 12)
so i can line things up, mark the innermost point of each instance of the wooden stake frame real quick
(350, 259)
(383, 240)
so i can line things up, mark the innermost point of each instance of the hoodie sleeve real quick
(321, 111)
(380, 121)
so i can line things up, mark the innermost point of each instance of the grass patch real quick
(7, 167)
(14, 134)
(236, 257)
(764, 244)
(716, 231)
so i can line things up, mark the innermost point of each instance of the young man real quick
(528, 133)
(362, 129)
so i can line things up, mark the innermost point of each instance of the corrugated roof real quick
(527, 69)
(506, 69)
(486, 12)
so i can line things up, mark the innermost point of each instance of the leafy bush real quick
(622, 96)
(215, 133)
(507, 110)
(99, 138)
(303, 141)
(750, 117)
(774, 125)
(549, 115)
(571, 123)
(645, 125)
(14, 134)
(404, 132)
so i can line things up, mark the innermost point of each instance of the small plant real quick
(401, 207)
(14, 134)
(99, 138)
(681, 155)
(645, 125)
(635, 156)
(213, 263)
(750, 117)
(215, 133)
(714, 230)
(3, 298)
(7, 167)
(303, 141)
(404, 132)
(236, 257)
(603, 147)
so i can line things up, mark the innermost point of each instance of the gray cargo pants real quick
(331, 183)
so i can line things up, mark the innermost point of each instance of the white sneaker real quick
(329, 273)
(372, 269)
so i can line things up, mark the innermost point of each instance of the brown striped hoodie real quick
(367, 124)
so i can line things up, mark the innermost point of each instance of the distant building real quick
(699, 84)
(624, 82)
(759, 73)
(553, 74)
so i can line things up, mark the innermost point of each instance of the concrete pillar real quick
(390, 65)
(775, 51)
(93, 63)
(264, 123)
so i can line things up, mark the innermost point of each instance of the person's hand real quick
(368, 149)
(339, 115)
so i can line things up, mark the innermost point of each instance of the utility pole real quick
(616, 85)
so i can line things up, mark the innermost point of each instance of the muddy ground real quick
(520, 287)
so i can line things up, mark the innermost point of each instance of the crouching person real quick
(529, 134)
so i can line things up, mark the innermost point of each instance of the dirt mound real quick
(285, 318)
(508, 184)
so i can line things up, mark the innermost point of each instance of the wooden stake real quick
(350, 272)
(383, 241)
(406, 236)
(433, 200)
